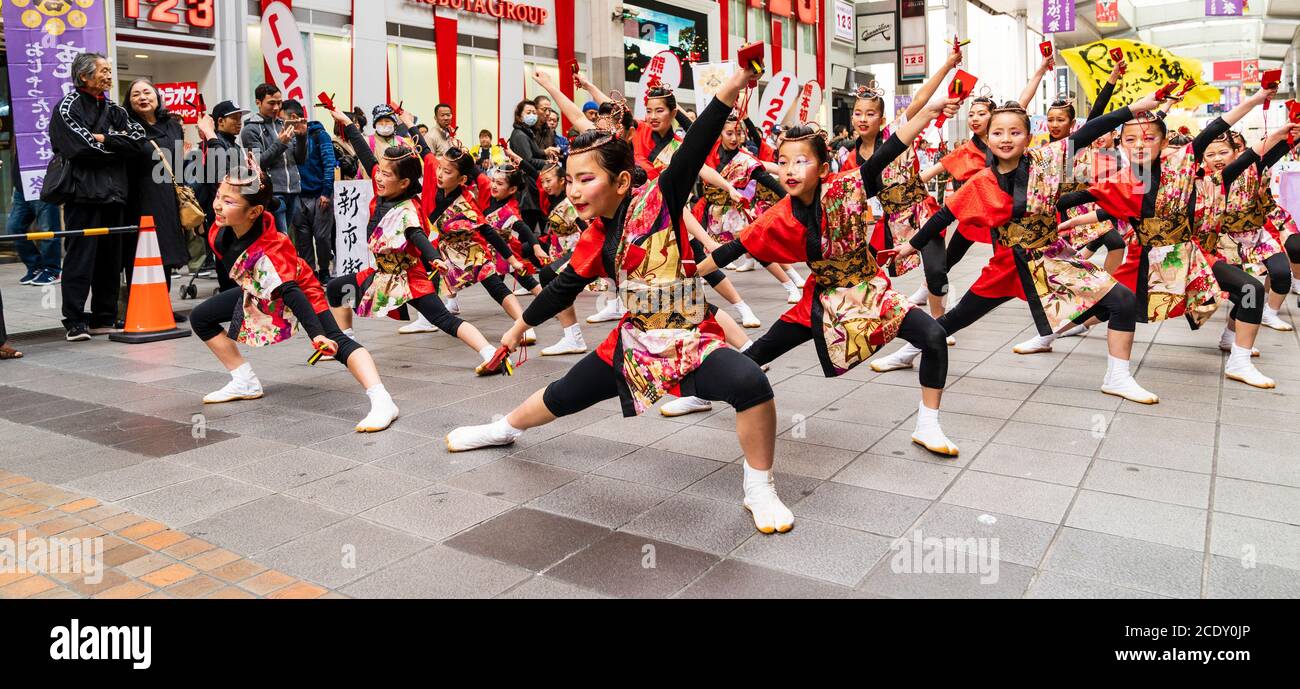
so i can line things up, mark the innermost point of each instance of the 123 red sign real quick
(200, 14)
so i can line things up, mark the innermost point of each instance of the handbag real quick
(191, 213)
(57, 189)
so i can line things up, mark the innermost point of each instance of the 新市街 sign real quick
(1149, 68)
(499, 9)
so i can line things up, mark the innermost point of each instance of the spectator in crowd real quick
(523, 145)
(345, 155)
(97, 138)
(423, 130)
(543, 133)
(443, 132)
(42, 258)
(486, 153)
(553, 123)
(280, 145)
(151, 190)
(220, 134)
(313, 217)
(385, 136)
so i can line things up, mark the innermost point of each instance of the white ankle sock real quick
(378, 394)
(487, 352)
(1227, 338)
(1239, 356)
(350, 333)
(927, 415)
(244, 372)
(573, 332)
(747, 345)
(755, 477)
(501, 427)
(1116, 369)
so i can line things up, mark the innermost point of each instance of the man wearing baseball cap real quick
(220, 133)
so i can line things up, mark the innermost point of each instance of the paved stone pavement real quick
(1083, 495)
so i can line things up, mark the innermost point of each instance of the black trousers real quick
(934, 261)
(725, 376)
(958, 245)
(1292, 246)
(346, 288)
(4, 334)
(917, 328)
(92, 265)
(313, 233)
(208, 318)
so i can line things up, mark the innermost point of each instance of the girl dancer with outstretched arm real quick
(668, 341)
(848, 309)
(277, 291)
(1018, 199)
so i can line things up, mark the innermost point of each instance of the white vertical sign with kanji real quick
(664, 66)
(351, 212)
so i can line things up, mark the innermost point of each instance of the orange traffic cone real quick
(149, 309)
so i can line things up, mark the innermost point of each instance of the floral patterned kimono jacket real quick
(720, 216)
(1031, 259)
(1165, 265)
(399, 274)
(456, 220)
(903, 205)
(1279, 222)
(1242, 238)
(269, 262)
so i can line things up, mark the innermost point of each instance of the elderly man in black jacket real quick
(96, 137)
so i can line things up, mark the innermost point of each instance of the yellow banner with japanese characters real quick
(1149, 68)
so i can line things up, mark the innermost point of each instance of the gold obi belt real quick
(1163, 231)
(1029, 232)
(1245, 220)
(677, 304)
(715, 196)
(902, 197)
(394, 263)
(846, 270)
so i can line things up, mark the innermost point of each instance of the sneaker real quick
(107, 329)
(793, 295)
(901, 359)
(932, 438)
(468, 438)
(566, 345)
(613, 311)
(1038, 345)
(380, 418)
(30, 276)
(920, 297)
(769, 513)
(1129, 389)
(1076, 331)
(208, 274)
(419, 325)
(47, 277)
(78, 333)
(521, 292)
(745, 265)
(236, 389)
(1245, 372)
(685, 405)
(1271, 320)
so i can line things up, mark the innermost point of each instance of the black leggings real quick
(716, 277)
(429, 306)
(1279, 273)
(917, 328)
(1118, 308)
(1245, 292)
(725, 376)
(934, 261)
(208, 317)
(1292, 246)
(496, 286)
(1111, 239)
(958, 245)
(526, 281)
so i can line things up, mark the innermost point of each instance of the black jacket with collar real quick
(99, 170)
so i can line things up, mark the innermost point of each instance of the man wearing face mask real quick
(385, 129)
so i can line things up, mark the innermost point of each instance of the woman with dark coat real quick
(150, 193)
(524, 145)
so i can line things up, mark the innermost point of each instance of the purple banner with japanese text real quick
(42, 39)
(1058, 16)
(1223, 8)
